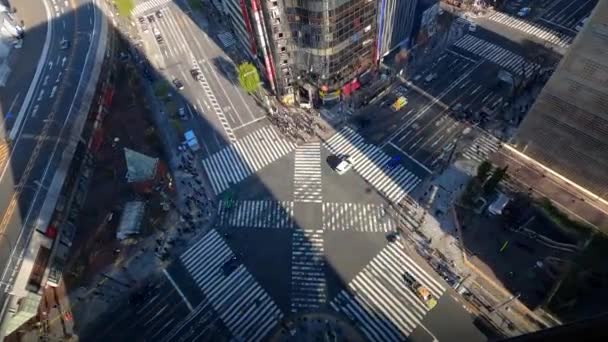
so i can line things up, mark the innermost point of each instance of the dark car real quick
(196, 73)
(178, 84)
(392, 237)
(230, 266)
(409, 279)
(159, 14)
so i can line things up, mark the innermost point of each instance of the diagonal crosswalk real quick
(242, 304)
(307, 174)
(482, 148)
(379, 301)
(238, 161)
(497, 54)
(148, 6)
(364, 217)
(308, 290)
(256, 214)
(534, 29)
(370, 162)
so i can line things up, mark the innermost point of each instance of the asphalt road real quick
(220, 109)
(39, 140)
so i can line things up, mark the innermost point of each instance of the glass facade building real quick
(332, 41)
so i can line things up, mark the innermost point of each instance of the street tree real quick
(248, 76)
(124, 7)
(492, 182)
(483, 170)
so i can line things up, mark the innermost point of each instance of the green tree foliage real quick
(494, 180)
(248, 76)
(124, 7)
(483, 170)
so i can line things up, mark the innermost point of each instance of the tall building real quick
(396, 20)
(310, 51)
(567, 127)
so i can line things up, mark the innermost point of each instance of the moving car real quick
(64, 44)
(181, 113)
(524, 11)
(159, 14)
(196, 73)
(178, 84)
(399, 103)
(344, 165)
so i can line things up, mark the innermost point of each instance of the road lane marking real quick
(179, 291)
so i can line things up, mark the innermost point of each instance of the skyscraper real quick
(312, 50)
(567, 127)
(396, 20)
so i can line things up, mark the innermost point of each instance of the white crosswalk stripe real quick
(242, 304)
(364, 217)
(307, 175)
(238, 161)
(534, 29)
(378, 299)
(370, 162)
(256, 214)
(308, 291)
(497, 54)
(481, 148)
(227, 39)
(148, 6)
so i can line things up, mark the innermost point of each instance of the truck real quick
(191, 141)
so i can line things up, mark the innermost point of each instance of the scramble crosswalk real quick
(481, 148)
(497, 54)
(256, 214)
(534, 29)
(365, 217)
(307, 174)
(148, 6)
(250, 154)
(243, 305)
(308, 291)
(379, 301)
(370, 162)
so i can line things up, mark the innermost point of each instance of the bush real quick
(483, 170)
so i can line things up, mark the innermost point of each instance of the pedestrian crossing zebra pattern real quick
(482, 148)
(239, 300)
(148, 6)
(226, 38)
(5, 154)
(379, 301)
(534, 29)
(256, 214)
(371, 163)
(219, 111)
(364, 217)
(308, 291)
(307, 174)
(497, 54)
(238, 161)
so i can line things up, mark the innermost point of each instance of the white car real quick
(344, 165)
